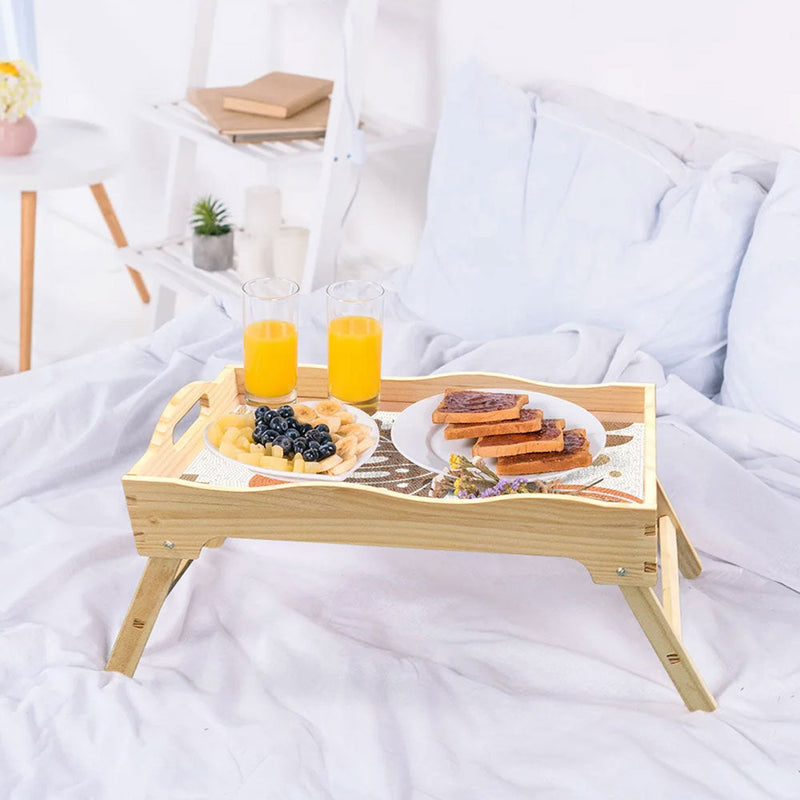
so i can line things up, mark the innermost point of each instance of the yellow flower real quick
(19, 89)
(457, 485)
(455, 461)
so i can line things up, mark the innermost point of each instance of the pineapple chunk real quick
(215, 431)
(230, 435)
(313, 467)
(298, 465)
(243, 443)
(234, 421)
(247, 431)
(229, 449)
(258, 448)
(271, 462)
(253, 459)
(277, 451)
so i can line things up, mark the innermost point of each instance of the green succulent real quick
(210, 217)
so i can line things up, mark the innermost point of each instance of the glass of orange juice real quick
(270, 341)
(355, 335)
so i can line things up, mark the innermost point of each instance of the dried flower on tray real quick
(473, 480)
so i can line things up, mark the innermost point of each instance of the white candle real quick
(262, 211)
(253, 256)
(289, 253)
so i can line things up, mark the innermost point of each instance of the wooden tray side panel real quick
(178, 519)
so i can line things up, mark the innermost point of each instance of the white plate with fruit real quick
(316, 441)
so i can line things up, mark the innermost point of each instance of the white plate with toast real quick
(422, 441)
(360, 419)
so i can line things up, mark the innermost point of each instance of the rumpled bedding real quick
(288, 670)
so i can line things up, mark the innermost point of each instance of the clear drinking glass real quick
(270, 341)
(355, 335)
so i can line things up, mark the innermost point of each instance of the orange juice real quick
(354, 359)
(270, 358)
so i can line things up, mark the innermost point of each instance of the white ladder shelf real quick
(168, 263)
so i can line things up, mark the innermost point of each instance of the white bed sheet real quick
(284, 670)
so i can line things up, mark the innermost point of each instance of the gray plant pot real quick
(212, 253)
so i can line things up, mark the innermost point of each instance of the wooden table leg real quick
(688, 560)
(669, 648)
(107, 210)
(670, 588)
(159, 576)
(27, 244)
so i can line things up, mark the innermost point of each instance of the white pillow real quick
(762, 369)
(539, 215)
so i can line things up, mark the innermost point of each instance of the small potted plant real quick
(19, 90)
(212, 242)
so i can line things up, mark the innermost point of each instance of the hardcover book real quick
(278, 94)
(311, 123)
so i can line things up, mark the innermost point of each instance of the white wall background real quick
(730, 63)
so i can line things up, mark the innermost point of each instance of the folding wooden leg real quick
(107, 210)
(160, 575)
(27, 242)
(670, 588)
(688, 560)
(668, 647)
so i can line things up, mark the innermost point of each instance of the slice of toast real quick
(575, 454)
(549, 439)
(470, 406)
(530, 420)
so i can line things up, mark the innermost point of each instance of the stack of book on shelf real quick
(276, 106)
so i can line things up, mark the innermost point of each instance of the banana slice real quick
(364, 445)
(346, 417)
(346, 446)
(344, 466)
(327, 408)
(329, 463)
(304, 414)
(333, 423)
(355, 429)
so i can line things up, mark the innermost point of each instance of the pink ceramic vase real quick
(17, 138)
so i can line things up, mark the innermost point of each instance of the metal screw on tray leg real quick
(169, 545)
(622, 572)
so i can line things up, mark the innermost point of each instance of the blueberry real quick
(258, 434)
(304, 427)
(279, 424)
(286, 411)
(291, 422)
(293, 433)
(313, 445)
(269, 436)
(301, 443)
(261, 412)
(327, 450)
(316, 436)
(322, 427)
(309, 455)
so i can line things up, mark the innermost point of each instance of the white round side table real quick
(67, 153)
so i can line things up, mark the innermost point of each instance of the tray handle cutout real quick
(195, 394)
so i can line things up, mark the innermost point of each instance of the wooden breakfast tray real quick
(175, 516)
